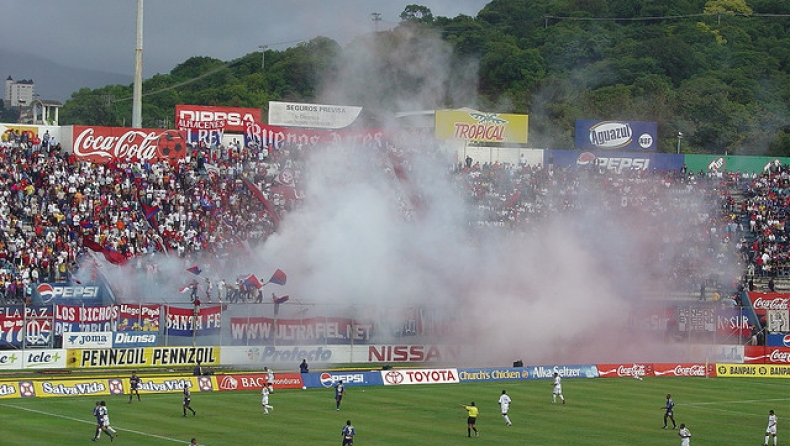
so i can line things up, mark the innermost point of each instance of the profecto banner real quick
(317, 116)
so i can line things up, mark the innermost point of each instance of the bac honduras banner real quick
(616, 135)
(31, 324)
(196, 321)
(143, 317)
(72, 318)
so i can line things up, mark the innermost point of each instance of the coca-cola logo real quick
(779, 356)
(132, 144)
(695, 370)
(634, 370)
(776, 303)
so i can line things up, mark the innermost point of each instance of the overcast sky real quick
(101, 34)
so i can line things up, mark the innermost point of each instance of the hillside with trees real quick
(718, 71)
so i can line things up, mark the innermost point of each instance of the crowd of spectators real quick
(203, 208)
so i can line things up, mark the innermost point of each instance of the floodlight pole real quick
(263, 54)
(137, 91)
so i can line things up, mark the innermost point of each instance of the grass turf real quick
(718, 411)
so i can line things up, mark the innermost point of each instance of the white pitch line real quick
(78, 420)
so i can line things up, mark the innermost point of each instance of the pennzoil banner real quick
(477, 126)
(142, 357)
(752, 371)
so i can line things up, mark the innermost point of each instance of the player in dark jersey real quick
(669, 412)
(134, 387)
(188, 400)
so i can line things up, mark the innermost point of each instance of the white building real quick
(19, 92)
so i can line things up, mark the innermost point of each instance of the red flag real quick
(252, 280)
(281, 299)
(278, 277)
(113, 257)
(266, 203)
(194, 270)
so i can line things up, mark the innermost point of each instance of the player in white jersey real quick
(557, 385)
(269, 379)
(770, 431)
(265, 399)
(685, 435)
(504, 406)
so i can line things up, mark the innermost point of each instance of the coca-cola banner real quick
(762, 302)
(73, 318)
(262, 330)
(277, 137)
(200, 118)
(684, 369)
(139, 317)
(757, 354)
(114, 144)
(632, 370)
(25, 325)
(196, 321)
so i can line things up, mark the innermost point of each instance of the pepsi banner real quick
(67, 294)
(349, 378)
(616, 135)
(616, 162)
(777, 340)
(198, 321)
(26, 326)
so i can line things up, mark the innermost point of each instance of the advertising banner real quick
(763, 302)
(777, 340)
(732, 322)
(616, 162)
(26, 326)
(414, 353)
(255, 381)
(616, 135)
(564, 371)
(140, 317)
(349, 378)
(752, 371)
(259, 356)
(197, 321)
(684, 369)
(99, 339)
(72, 318)
(744, 164)
(67, 294)
(166, 384)
(125, 339)
(100, 145)
(277, 138)
(9, 390)
(473, 125)
(758, 354)
(142, 357)
(201, 118)
(419, 376)
(631, 370)
(317, 116)
(492, 374)
(311, 330)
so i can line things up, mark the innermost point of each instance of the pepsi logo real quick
(326, 380)
(46, 292)
(786, 340)
(585, 158)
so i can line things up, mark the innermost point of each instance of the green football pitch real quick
(718, 411)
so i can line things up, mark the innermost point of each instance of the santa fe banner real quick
(198, 321)
(141, 317)
(116, 144)
(473, 125)
(317, 116)
(18, 323)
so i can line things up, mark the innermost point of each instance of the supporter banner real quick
(199, 321)
(732, 322)
(67, 294)
(685, 369)
(278, 137)
(613, 161)
(25, 326)
(142, 317)
(743, 164)
(653, 319)
(492, 374)
(99, 339)
(631, 370)
(295, 331)
(414, 353)
(255, 381)
(777, 340)
(752, 371)
(71, 318)
(623, 135)
(207, 119)
(757, 354)
(350, 379)
(776, 321)
(291, 114)
(695, 319)
(565, 371)
(105, 144)
(473, 125)
(143, 357)
(270, 355)
(763, 302)
(419, 376)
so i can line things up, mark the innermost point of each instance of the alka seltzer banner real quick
(314, 330)
(197, 321)
(752, 371)
(142, 357)
(616, 135)
(476, 126)
(140, 317)
(277, 138)
(95, 386)
(743, 164)
(71, 318)
(26, 325)
(317, 116)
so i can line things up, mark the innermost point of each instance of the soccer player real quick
(557, 385)
(134, 387)
(265, 399)
(770, 431)
(348, 433)
(193, 442)
(97, 414)
(340, 390)
(504, 405)
(269, 379)
(471, 418)
(188, 400)
(669, 412)
(103, 421)
(685, 435)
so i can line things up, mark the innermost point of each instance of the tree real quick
(417, 14)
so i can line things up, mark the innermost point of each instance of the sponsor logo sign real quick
(413, 353)
(685, 369)
(104, 144)
(565, 371)
(753, 370)
(96, 318)
(616, 135)
(492, 374)
(255, 381)
(321, 329)
(200, 118)
(143, 357)
(144, 317)
(122, 339)
(349, 378)
(99, 339)
(419, 376)
(766, 355)
(473, 125)
(612, 161)
(632, 370)
(56, 293)
(9, 390)
(318, 116)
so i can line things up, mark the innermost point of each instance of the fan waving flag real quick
(278, 277)
(195, 270)
(253, 281)
(281, 299)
